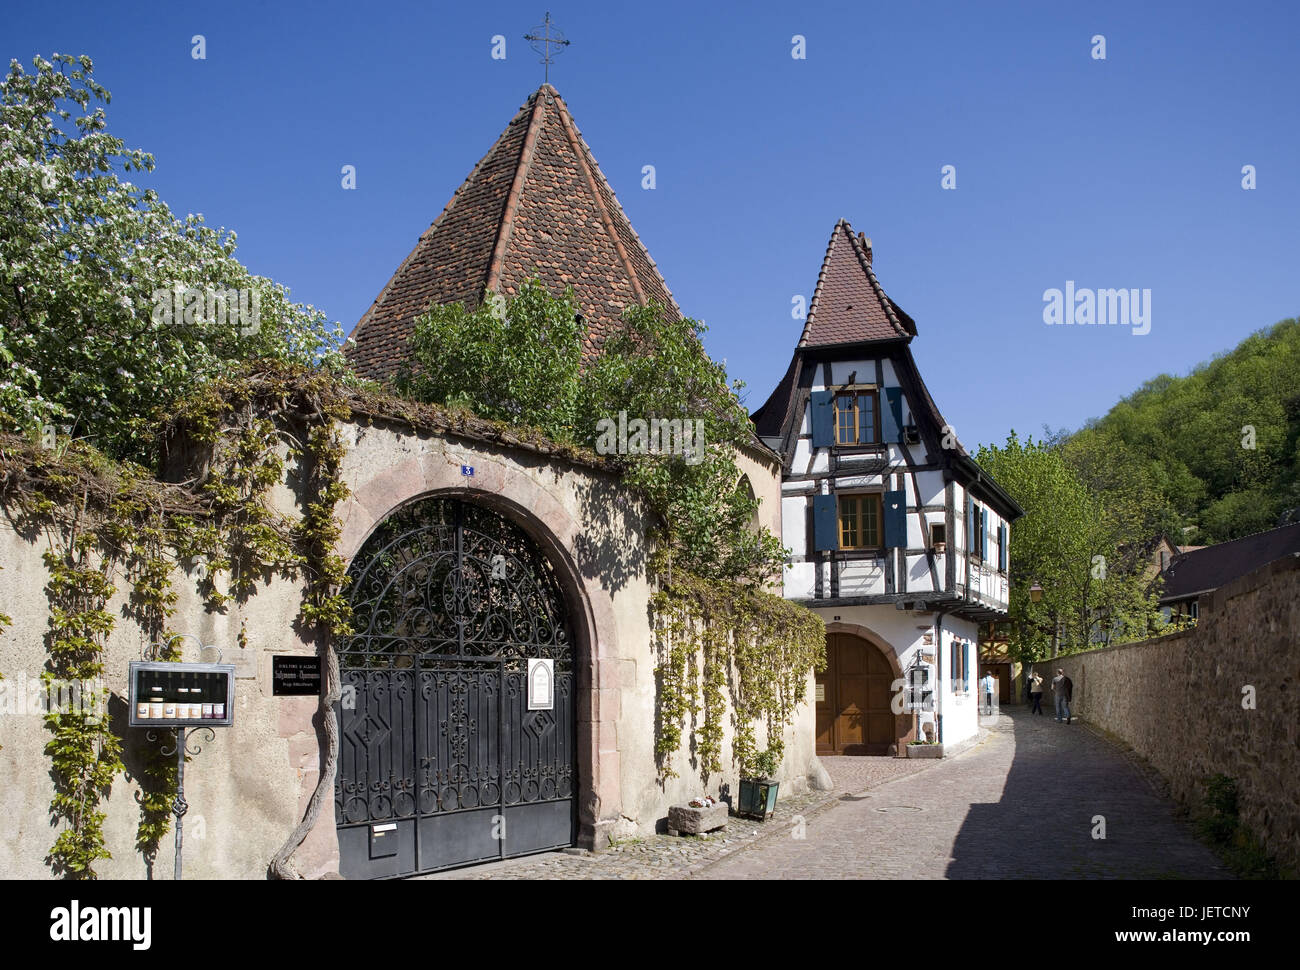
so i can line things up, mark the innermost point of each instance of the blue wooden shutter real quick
(970, 525)
(984, 534)
(821, 406)
(1002, 547)
(893, 416)
(825, 523)
(895, 507)
(965, 665)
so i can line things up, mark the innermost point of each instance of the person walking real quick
(987, 684)
(1036, 693)
(1062, 687)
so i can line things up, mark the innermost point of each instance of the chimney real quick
(866, 244)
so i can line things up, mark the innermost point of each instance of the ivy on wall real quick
(103, 521)
(724, 643)
(755, 650)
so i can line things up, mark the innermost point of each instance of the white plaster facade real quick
(938, 562)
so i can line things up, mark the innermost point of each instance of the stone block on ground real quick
(819, 779)
(685, 820)
(925, 750)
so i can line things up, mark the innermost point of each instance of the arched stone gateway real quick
(457, 721)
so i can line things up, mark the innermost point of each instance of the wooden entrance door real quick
(853, 698)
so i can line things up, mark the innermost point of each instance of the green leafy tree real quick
(516, 361)
(520, 360)
(655, 368)
(87, 337)
(1220, 445)
(1083, 539)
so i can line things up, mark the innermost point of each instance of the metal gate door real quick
(441, 762)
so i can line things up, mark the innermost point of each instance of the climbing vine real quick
(85, 755)
(756, 651)
(104, 520)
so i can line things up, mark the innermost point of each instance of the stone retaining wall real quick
(1184, 701)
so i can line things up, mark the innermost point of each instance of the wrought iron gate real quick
(441, 762)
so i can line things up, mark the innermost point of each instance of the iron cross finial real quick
(542, 39)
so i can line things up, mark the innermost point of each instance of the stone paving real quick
(655, 856)
(668, 857)
(854, 774)
(1021, 803)
(1024, 803)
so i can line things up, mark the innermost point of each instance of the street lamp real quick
(1036, 595)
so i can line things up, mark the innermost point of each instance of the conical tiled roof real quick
(848, 306)
(536, 204)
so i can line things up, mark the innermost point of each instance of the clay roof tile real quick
(536, 204)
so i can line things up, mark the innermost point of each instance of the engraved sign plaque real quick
(541, 685)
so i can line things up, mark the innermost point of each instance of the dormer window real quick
(857, 418)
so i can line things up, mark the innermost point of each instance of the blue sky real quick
(1123, 172)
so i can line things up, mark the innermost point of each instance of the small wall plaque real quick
(295, 676)
(541, 685)
(821, 692)
(467, 471)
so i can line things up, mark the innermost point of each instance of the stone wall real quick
(1184, 701)
(246, 789)
(249, 788)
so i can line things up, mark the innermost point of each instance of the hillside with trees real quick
(1201, 459)
(1221, 444)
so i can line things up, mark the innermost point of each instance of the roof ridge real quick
(817, 290)
(864, 260)
(1228, 542)
(582, 150)
(523, 165)
(595, 172)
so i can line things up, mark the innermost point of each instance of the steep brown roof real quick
(848, 305)
(536, 204)
(1205, 568)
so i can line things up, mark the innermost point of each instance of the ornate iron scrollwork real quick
(443, 580)
(449, 602)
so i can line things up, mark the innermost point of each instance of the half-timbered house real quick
(899, 539)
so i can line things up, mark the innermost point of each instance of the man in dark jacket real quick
(1063, 689)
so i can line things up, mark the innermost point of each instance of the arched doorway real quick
(854, 715)
(450, 752)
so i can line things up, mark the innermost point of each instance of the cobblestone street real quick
(1019, 804)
